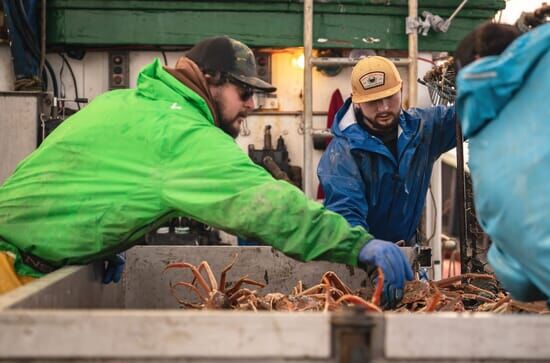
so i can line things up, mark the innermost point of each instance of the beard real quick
(231, 125)
(383, 122)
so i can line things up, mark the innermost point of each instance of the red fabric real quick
(336, 101)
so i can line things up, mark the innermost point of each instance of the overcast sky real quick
(515, 7)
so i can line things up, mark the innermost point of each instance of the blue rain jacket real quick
(364, 182)
(504, 110)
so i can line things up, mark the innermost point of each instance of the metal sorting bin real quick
(70, 316)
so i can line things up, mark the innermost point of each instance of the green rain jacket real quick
(132, 159)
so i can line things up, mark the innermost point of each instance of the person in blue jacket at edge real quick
(377, 168)
(502, 102)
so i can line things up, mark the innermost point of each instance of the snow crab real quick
(212, 295)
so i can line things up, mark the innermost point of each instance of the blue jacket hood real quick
(488, 84)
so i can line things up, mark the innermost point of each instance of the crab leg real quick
(182, 301)
(312, 289)
(434, 300)
(196, 273)
(379, 287)
(239, 294)
(243, 280)
(356, 300)
(335, 281)
(190, 286)
(211, 278)
(327, 298)
(224, 271)
(451, 280)
(505, 299)
(477, 298)
(298, 288)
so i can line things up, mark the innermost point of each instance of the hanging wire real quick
(61, 83)
(65, 61)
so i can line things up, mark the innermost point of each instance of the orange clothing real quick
(9, 279)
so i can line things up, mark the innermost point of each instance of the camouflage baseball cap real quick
(224, 54)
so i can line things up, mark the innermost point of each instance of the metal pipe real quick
(43, 37)
(413, 55)
(433, 219)
(329, 61)
(308, 106)
(461, 199)
(456, 11)
(285, 113)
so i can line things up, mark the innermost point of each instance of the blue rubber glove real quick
(393, 263)
(114, 268)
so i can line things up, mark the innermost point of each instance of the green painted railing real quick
(259, 23)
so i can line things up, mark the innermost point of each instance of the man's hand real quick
(114, 268)
(393, 263)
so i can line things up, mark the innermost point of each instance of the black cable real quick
(44, 79)
(52, 76)
(73, 77)
(29, 40)
(62, 94)
(465, 261)
(164, 57)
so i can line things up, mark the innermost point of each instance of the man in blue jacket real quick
(377, 169)
(503, 105)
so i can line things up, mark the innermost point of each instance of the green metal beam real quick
(267, 5)
(260, 24)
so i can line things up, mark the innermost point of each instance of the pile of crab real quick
(467, 292)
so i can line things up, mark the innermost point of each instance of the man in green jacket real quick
(134, 158)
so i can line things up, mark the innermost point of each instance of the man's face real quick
(383, 114)
(233, 102)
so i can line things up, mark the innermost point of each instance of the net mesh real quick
(441, 84)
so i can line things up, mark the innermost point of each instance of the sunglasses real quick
(245, 92)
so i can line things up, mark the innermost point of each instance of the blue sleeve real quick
(443, 122)
(342, 183)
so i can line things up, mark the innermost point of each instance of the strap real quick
(37, 263)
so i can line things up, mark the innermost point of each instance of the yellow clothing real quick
(9, 279)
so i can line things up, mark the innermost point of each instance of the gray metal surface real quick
(19, 124)
(167, 333)
(480, 337)
(144, 285)
(264, 264)
(72, 287)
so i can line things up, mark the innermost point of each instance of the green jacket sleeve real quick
(208, 177)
